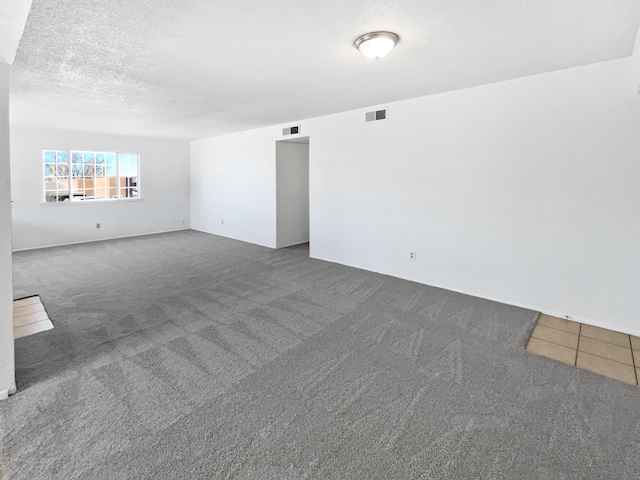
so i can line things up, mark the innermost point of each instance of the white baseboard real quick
(580, 319)
(98, 240)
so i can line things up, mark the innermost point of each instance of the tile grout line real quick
(575, 361)
(26, 314)
(558, 329)
(35, 314)
(29, 313)
(606, 341)
(609, 359)
(29, 323)
(633, 359)
(33, 323)
(552, 343)
(23, 314)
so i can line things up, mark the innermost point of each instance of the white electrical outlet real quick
(412, 255)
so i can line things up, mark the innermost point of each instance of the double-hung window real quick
(75, 175)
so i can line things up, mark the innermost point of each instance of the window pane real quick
(111, 170)
(88, 160)
(111, 158)
(56, 182)
(62, 156)
(100, 158)
(78, 170)
(61, 170)
(50, 196)
(49, 170)
(49, 156)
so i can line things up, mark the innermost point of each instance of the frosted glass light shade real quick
(376, 45)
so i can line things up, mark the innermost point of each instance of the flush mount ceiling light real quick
(376, 45)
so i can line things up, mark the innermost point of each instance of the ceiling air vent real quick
(295, 130)
(375, 116)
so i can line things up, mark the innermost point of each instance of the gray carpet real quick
(186, 355)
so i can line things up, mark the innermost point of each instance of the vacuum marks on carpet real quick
(29, 317)
(612, 354)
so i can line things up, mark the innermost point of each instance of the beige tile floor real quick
(29, 317)
(612, 354)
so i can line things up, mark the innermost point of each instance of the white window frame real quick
(80, 198)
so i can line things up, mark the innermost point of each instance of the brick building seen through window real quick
(73, 175)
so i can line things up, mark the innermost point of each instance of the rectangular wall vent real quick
(295, 130)
(376, 115)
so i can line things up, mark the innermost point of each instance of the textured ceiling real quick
(201, 68)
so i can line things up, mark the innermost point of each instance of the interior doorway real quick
(292, 192)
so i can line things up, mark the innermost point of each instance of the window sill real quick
(92, 202)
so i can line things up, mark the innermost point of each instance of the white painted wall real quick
(292, 193)
(164, 185)
(635, 61)
(525, 191)
(233, 179)
(7, 375)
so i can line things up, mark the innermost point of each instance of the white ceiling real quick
(201, 68)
